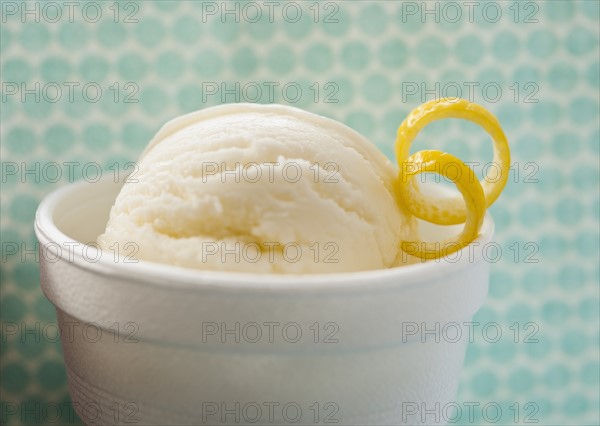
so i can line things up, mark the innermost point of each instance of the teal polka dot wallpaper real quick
(93, 85)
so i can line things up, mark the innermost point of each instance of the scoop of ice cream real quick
(261, 188)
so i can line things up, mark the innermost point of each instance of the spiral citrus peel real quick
(476, 195)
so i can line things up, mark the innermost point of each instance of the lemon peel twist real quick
(477, 195)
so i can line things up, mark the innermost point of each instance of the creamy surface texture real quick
(261, 188)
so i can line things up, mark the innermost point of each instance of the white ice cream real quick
(261, 188)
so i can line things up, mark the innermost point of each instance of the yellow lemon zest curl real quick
(476, 196)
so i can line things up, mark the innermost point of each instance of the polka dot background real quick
(97, 88)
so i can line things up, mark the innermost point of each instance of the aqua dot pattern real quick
(380, 61)
(355, 55)
(131, 66)
(93, 68)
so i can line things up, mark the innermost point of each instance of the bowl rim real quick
(174, 277)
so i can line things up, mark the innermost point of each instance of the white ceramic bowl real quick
(154, 344)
